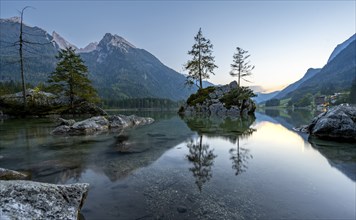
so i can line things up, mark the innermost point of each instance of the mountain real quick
(309, 74)
(341, 47)
(61, 42)
(122, 70)
(262, 97)
(335, 76)
(39, 55)
(117, 68)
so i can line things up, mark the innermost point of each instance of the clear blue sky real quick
(284, 38)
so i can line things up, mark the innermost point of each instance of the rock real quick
(220, 101)
(61, 130)
(69, 122)
(182, 209)
(34, 200)
(101, 124)
(123, 121)
(6, 174)
(43, 103)
(337, 123)
(85, 108)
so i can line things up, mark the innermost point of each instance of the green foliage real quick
(272, 102)
(241, 65)
(202, 62)
(352, 97)
(200, 96)
(11, 87)
(304, 101)
(237, 96)
(71, 78)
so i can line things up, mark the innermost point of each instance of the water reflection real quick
(231, 129)
(203, 160)
(240, 155)
(342, 156)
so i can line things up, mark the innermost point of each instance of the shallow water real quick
(193, 168)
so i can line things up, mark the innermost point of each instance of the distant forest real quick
(12, 87)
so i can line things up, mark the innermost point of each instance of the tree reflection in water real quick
(240, 155)
(202, 159)
(230, 129)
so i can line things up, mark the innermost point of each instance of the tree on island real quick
(71, 78)
(202, 63)
(241, 66)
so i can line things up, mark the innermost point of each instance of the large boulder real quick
(228, 100)
(337, 123)
(22, 199)
(88, 126)
(101, 124)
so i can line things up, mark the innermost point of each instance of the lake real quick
(193, 168)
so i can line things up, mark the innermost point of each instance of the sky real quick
(284, 38)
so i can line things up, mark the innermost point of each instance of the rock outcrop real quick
(101, 124)
(227, 100)
(43, 103)
(22, 199)
(336, 123)
(6, 174)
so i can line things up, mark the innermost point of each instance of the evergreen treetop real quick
(71, 78)
(202, 62)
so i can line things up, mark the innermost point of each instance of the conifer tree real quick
(71, 78)
(202, 63)
(241, 65)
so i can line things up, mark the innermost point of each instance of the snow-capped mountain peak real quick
(61, 42)
(12, 19)
(115, 41)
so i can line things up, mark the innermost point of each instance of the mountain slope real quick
(262, 97)
(335, 76)
(39, 57)
(121, 70)
(309, 74)
(116, 67)
(341, 47)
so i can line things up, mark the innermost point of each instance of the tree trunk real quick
(22, 68)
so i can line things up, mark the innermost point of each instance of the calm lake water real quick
(193, 168)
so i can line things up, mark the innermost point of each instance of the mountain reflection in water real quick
(193, 168)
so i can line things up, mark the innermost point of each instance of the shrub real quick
(237, 96)
(200, 96)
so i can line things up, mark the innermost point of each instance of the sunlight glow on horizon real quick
(284, 38)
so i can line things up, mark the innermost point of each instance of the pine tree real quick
(241, 66)
(202, 63)
(71, 78)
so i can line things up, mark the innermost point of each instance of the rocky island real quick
(227, 100)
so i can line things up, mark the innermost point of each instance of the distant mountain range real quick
(335, 76)
(117, 68)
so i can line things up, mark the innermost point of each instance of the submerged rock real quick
(6, 174)
(34, 200)
(101, 124)
(337, 123)
(227, 100)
